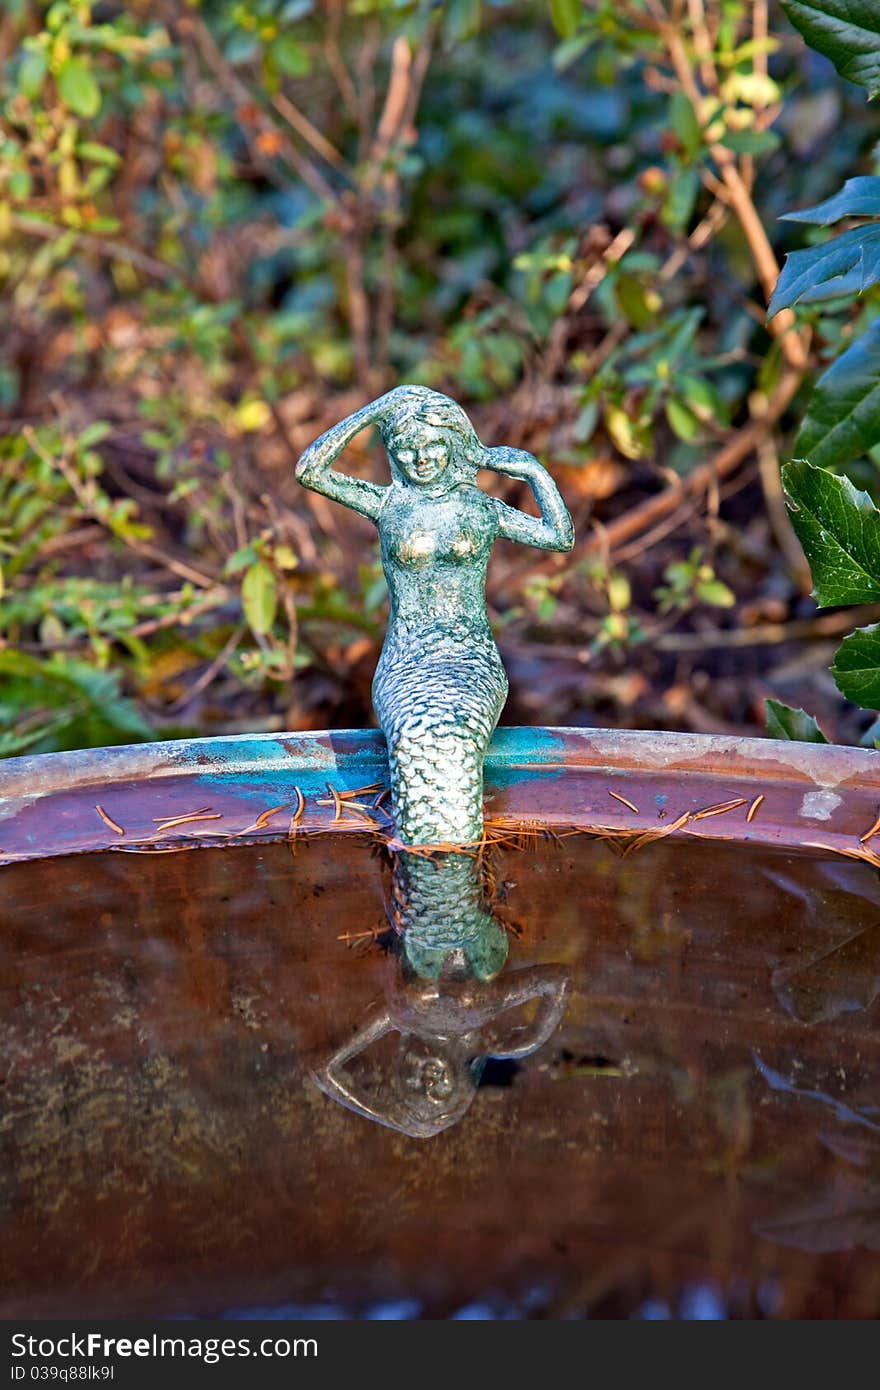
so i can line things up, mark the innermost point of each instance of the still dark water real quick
(698, 1135)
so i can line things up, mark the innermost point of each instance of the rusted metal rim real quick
(629, 785)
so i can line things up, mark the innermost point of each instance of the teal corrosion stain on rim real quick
(440, 684)
(807, 795)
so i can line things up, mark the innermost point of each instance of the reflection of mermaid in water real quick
(440, 685)
(448, 1003)
(448, 1028)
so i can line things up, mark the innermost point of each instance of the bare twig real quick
(211, 672)
(103, 246)
(777, 513)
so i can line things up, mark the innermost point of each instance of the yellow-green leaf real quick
(78, 88)
(259, 597)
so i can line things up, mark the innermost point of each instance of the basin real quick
(193, 931)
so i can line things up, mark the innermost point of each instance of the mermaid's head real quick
(430, 440)
(433, 1086)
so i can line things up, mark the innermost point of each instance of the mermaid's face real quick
(429, 1077)
(422, 460)
(434, 1089)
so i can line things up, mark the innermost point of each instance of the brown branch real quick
(310, 133)
(342, 77)
(702, 44)
(396, 102)
(114, 250)
(358, 308)
(823, 627)
(736, 192)
(777, 514)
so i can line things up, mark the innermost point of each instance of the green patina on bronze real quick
(440, 685)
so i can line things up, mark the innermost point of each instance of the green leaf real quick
(856, 667)
(566, 16)
(839, 529)
(783, 721)
(98, 154)
(32, 72)
(20, 185)
(704, 399)
(683, 119)
(681, 195)
(682, 421)
(752, 141)
(843, 416)
(93, 434)
(716, 593)
(859, 197)
(78, 88)
(637, 305)
(291, 56)
(846, 31)
(822, 267)
(259, 597)
(462, 19)
(62, 702)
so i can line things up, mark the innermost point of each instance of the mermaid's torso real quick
(439, 686)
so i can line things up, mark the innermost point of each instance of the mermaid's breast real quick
(419, 550)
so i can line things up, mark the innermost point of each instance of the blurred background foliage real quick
(223, 226)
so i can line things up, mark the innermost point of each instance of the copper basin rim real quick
(784, 794)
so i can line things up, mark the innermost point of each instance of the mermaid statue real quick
(438, 691)
(439, 686)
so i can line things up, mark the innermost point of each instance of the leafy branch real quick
(837, 525)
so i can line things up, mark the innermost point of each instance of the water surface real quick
(704, 1122)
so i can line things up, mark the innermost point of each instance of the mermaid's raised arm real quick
(315, 468)
(332, 1078)
(553, 530)
(551, 984)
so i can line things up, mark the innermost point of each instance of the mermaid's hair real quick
(422, 406)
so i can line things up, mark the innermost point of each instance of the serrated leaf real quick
(843, 416)
(819, 267)
(259, 597)
(859, 197)
(784, 721)
(78, 88)
(839, 529)
(846, 31)
(856, 667)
